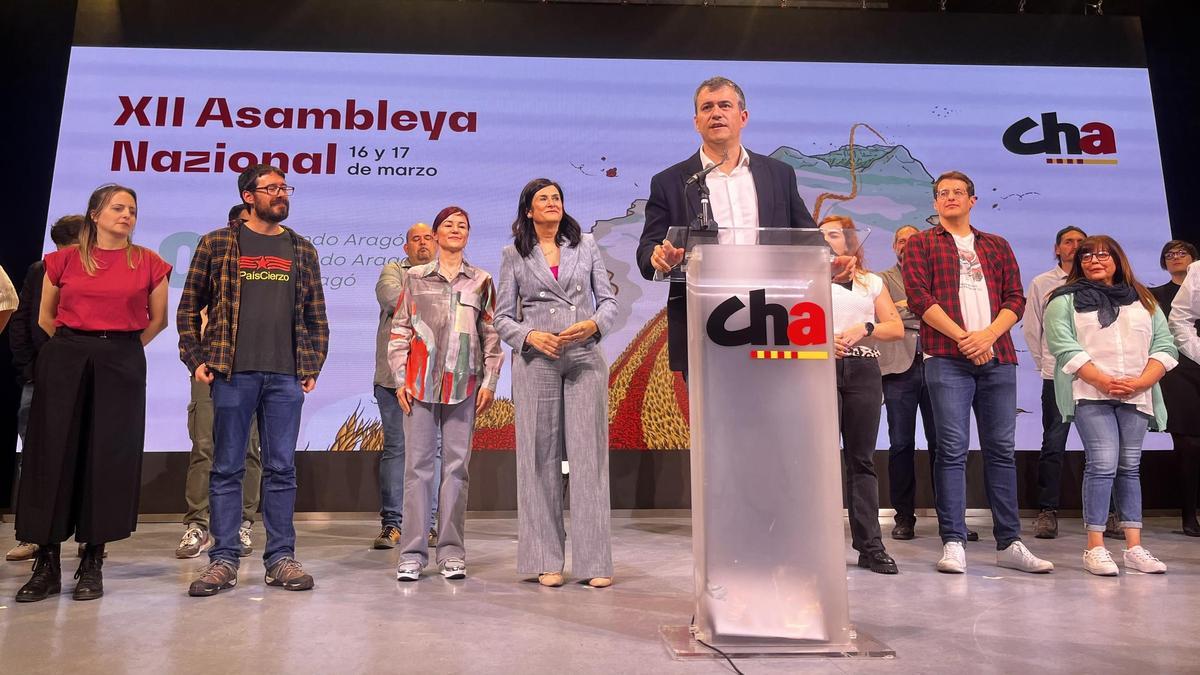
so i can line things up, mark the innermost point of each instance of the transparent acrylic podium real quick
(767, 533)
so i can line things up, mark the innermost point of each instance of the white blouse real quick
(1120, 350)
(857, 305)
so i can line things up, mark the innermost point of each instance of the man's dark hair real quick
(65, 230)
(955, 175)
(248, 180)
(1065, 231)
(715, 83)
(1172, 245)
(238, 211)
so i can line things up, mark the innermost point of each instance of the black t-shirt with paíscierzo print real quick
(265, 325)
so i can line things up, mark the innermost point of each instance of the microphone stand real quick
(703, 221)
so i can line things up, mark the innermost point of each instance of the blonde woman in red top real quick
(103, 300)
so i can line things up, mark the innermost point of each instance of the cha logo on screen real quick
(1052, 137)
(804, 325)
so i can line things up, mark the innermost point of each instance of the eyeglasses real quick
(942, 194)
(274, 190)
(1177, 254)
(1098, 256)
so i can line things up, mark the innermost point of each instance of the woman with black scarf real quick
(1111, 346)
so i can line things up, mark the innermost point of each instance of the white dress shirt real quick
(1120, 350)
(1185, 311)
(733, 199)
(1035, 311)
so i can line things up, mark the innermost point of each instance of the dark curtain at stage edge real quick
(1173, 58)
(37, 41)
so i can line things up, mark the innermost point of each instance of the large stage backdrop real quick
(374, 143)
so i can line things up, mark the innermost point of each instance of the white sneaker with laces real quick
(1099, 561)
(954, 558)
(408, 570)
(1019, 558)
(1140, 559)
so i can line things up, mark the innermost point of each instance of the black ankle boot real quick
(91, 581)
(47, 575)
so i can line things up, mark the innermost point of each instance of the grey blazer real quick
(530, 298)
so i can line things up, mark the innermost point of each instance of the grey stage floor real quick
(360, 620)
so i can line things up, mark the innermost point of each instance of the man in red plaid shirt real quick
(966, 287)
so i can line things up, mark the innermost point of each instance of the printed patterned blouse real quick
(443, 346)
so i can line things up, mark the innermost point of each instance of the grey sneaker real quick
(1017, 557)
(22, 551)
(214, 578)
(244, 539)
(954, 558)
(408, 570)
(195, 541)
(454, 568)
(290, 574)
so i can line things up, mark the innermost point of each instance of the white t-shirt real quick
(972, 287)
(854, 306)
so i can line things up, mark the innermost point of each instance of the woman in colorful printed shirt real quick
(555, 305)
(446, 358)
(1111, 346)
(103, 300)
(862, 308)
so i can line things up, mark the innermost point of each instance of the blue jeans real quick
(391, 465)
(903, 394)
(1054, 446)
(1112, 434)
(956, 387)
(276, 400)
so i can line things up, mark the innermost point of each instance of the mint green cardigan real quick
(1059, 327)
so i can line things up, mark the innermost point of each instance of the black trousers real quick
(860, 396)
(81, 470)
(1054, 446)
(1187, 454)
(903, 394)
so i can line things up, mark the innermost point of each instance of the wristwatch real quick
(870, 327)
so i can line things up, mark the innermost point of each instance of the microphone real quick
(704, 172)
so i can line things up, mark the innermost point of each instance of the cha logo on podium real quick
(801, 326)
(1092, 138)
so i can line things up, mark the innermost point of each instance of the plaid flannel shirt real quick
(213, 283)
(931, 278)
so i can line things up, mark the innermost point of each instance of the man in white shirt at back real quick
(1054, 429)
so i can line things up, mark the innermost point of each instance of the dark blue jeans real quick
(276, 400)
(903, 394)
(391, 465)
(1054, 446)
(956, 387)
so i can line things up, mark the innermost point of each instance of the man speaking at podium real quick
(747, 191)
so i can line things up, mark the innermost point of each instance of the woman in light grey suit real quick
(555, 302)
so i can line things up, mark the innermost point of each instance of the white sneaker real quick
(1140, 559)
(954, 558)
(454, 568)
(1099, 561)
(244, 539)
(1017, 557)
(408, 570)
